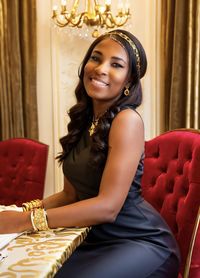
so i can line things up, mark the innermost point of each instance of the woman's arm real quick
(12, 221)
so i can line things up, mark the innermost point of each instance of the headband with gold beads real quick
(132, 44)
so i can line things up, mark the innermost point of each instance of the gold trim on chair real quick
(189, 257)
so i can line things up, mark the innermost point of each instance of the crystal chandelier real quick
(94, 15)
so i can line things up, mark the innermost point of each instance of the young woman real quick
(102, 163)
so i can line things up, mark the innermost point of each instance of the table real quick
(40, 254)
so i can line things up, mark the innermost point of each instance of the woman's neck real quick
(99, 110)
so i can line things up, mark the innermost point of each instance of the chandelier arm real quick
(59, 23)
(122, 23)
(114, 22)
(109, 20)
(101, 21)
(77, 23)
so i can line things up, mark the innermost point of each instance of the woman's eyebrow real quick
(119, 59)
(97, 52)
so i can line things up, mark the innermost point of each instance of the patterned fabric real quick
(40, 254)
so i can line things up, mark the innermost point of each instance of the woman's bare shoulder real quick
(127, 127)
(128, 118)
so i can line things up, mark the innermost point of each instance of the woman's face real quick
(106, 72)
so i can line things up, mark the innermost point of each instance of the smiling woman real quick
(106, 74)
(102, 159)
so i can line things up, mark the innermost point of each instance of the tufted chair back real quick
(171, 183)
(22, 170)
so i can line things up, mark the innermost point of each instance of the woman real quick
(102, 162)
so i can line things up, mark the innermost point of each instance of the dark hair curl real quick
(82, 112)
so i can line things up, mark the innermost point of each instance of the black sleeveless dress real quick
(138, 244)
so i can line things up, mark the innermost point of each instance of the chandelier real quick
(94, 15)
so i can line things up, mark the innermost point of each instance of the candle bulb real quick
(119, 7)
(63, 5)
(55, 8)
(63, 2)
(127, 7)
(101, 9)
(108, 5)
(108, 2)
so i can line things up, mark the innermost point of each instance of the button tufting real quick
(189, 158)
(185, 189)
(175, 206)
(179, 171)
(155, 155)
(170, 187)
(176, 155)
(163, 169)
(153, 181)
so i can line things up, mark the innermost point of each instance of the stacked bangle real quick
(32, 205)
(39, 220)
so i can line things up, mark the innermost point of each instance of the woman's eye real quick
(94, 58)
(117, 65)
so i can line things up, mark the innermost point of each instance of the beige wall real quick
(59, 55)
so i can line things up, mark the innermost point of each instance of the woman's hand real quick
(15, 222)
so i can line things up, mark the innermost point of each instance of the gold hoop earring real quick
(126, 92)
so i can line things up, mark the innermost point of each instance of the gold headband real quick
(132, 44)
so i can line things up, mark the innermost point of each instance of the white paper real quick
(6, 238)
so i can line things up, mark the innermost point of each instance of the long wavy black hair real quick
(81, 113)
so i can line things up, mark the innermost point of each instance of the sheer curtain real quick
(180, 48)
(18, 103)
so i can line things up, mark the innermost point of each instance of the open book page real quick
(6, 238)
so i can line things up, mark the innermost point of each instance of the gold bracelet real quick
(39, 220)
(28, 206)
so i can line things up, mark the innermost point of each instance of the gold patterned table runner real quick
(40, 254)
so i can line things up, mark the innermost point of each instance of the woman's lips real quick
(98, 82)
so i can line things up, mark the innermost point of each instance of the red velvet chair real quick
(171, 183)
(22, 170)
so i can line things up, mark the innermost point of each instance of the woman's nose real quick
(102, 68)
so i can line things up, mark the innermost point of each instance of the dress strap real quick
(131, 106)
